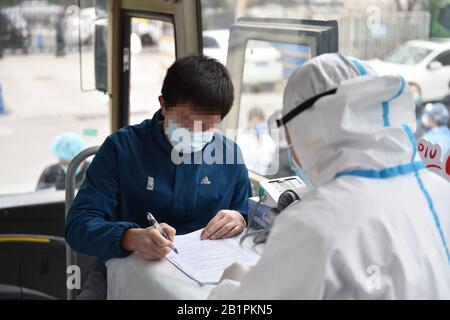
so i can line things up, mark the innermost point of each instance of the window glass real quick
(392, 36)
(444, 58)
(267, 66)
(407, 54)
(152, 47)
(44, 117)
(209, 42)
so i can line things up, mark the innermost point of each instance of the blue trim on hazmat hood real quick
(385, 104)
(385, 173)
(362, 71)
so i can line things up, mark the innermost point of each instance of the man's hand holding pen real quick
(149, 242)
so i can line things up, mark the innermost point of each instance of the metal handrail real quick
(71, 255)
(31, 238)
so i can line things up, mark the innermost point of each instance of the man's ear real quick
(162, 103)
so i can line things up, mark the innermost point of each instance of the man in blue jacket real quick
(176, 166)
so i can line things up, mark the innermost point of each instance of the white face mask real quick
(186, 141)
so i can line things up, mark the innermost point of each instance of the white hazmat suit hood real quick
(377, 224)
(332, 136)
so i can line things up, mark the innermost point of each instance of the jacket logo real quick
(150, 183)
(205, 180)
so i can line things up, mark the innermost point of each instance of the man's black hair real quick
(200, 80)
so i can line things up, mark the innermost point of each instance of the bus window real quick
(40, 96)
(368, 30)
(152, 49)
(267, 67)
(261, 54)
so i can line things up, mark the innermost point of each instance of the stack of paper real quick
(205, 260)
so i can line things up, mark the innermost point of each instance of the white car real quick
(425, 65)
(262, 65)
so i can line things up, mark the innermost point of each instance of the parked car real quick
(424, 64)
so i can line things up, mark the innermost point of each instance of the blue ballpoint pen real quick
(153, 223)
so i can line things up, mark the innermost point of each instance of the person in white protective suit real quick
(377, 225)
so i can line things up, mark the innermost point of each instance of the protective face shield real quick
(186, 141)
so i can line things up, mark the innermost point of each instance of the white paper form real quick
(205, 260)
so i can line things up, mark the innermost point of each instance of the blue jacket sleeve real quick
(91, 227)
